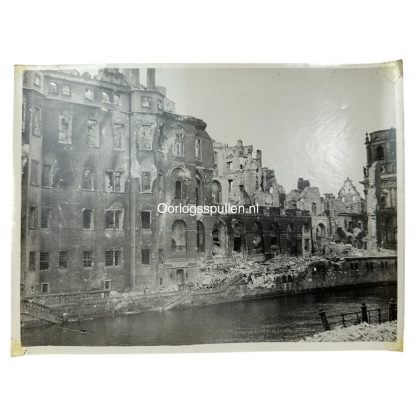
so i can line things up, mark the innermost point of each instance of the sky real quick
(308, 122)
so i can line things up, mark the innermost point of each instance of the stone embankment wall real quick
(324, 275)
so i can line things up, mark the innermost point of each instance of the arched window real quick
(216, 192)
(379, 152)
(178, 242)
(200, 237)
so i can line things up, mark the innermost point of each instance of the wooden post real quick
(379, 316)
(343, 320)
(392, 310)
(324, 320)
(364, 314)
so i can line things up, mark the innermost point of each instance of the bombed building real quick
(99, 156)
(380, 188)
(333, 219)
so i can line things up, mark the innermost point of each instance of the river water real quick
(279, 319)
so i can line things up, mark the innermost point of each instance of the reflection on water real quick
(279, 319)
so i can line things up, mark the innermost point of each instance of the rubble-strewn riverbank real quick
(385, 332)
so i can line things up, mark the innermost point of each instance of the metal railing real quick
(377, 315)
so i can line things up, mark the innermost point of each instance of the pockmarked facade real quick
(99, 156)
(380, 188)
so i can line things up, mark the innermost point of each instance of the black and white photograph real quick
(210, 205)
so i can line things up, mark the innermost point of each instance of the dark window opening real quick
(44, 261)
(63, 260)
(87, 219)
(145, 256)
(45, 287)
(145, 219)
(178, 190)
(45, 218)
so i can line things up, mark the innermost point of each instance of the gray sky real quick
(309, 123)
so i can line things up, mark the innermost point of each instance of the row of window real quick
(114, 219)
(112, 258)
(114, 180)
(144, 135)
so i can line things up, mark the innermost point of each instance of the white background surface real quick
(324, 383)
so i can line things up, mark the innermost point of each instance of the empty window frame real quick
(105, 97)
(32, 261)
(34, 172)
(65, 129)
(114, 181)
(87, 219)
(88, 180)
(146, 181)
(178, 146)
(53, 88)
(44, 261)
(37, 80)
(107, 284)
(36, 121)
(89, 94)
(87, 259)
(44, 288)
(117, 99)
(145, 256)
(93, 136)
(66, 91)
(146, 102)
(198, 149)
(33, 217)
(47, 175)
(63, 257)
(114, 219)
(113, 258)
(118, 135)
(45, 218)
(145, 217)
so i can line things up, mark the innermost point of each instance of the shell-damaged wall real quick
(100, 154)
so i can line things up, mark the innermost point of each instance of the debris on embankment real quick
(364, 332)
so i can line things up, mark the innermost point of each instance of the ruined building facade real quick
(100, 154)
(380, 188)
(333, 219)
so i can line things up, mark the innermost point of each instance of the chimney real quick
(151, 78)
(133, 76)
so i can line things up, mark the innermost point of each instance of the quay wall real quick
(323, 275)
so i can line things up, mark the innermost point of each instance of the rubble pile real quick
(385, 332)
(256, 274)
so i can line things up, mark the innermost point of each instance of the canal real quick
(279, 319)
